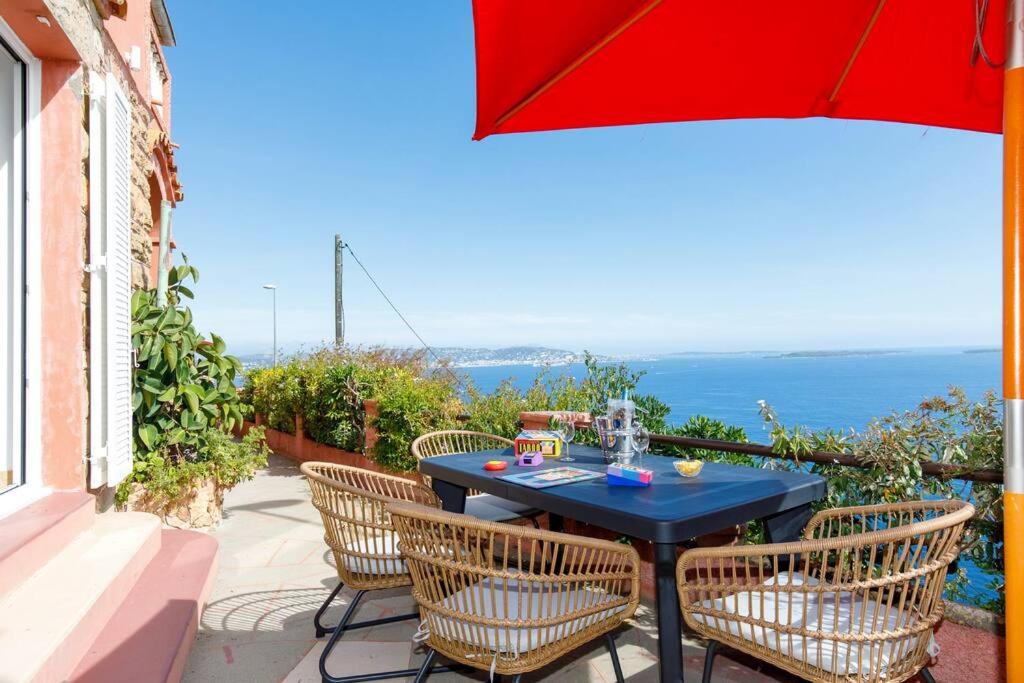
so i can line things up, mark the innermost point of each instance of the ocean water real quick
(817, 392)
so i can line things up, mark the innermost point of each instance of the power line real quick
(402, 317)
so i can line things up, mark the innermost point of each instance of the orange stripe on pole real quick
(1013, 233)
(1013, 561)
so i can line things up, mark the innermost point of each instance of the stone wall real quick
(82, 24)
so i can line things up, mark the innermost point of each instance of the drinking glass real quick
(641, 441)
(566, 428)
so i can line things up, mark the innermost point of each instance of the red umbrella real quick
(551, 64)
(555, 64)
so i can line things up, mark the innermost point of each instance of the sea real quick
(815, 390)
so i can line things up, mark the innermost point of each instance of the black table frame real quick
(785, 512)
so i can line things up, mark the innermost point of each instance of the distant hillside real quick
(466, 357)
(512, 355)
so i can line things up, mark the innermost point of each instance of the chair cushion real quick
(527, 601)
(852, 616)
(494, 509)
(386, 544)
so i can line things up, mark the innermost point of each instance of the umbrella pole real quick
(1013, 341)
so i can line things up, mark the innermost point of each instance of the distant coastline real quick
(541, 356)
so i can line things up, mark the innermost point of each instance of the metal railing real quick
(939, 470)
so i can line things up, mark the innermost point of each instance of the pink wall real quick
(63, 389)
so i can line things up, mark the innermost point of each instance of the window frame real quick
(32, 486)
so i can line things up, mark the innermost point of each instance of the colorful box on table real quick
(548, 444)
(629, 475)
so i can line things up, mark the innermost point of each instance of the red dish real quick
(495, 465)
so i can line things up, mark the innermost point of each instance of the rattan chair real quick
(856, 600)
(357, 527)
(478, 504)
(511, 599)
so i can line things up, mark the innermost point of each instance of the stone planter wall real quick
(201, 509)
(300, 448)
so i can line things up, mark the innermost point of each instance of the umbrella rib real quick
(578, 62)
(856, 51)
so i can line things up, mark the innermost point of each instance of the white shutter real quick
(110, 121)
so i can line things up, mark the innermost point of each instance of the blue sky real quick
(356, 118)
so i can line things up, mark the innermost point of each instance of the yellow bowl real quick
(688, 468)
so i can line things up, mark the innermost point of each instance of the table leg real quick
(453, 497)
(556, 522)
(787, 525)
(670, 644)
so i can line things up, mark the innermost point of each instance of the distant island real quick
(835, 354)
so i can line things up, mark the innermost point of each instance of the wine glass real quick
(566, 428)
(641, 441)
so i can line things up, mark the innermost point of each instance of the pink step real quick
(66, 602)
(149, 637)
(30, 537)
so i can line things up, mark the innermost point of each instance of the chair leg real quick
(336, 635)
(927, 675)
(322, 630)
(517, 678)
(424, 671)
(615, 657)
(343, 626)
(709, 659)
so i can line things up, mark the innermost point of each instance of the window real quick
(12, 268)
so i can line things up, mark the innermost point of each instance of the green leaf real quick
(148, 434)
(170, 355)
(168, 395)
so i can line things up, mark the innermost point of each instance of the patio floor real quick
(275, 571)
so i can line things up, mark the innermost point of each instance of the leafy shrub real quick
(949, 429)
(184, 399)
(408, 406)
(226, 460)
(276, 393)
(183, 383)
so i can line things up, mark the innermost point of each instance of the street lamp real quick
(273, 288)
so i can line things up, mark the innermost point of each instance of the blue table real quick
(671, 510)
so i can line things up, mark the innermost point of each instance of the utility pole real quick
(273, 289)
(339, 305)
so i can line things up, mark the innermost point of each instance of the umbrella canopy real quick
(544, 65)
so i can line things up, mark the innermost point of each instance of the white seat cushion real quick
(387, 545)
(854, 616)
(527, 601)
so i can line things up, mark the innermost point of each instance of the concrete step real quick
(50, 620)
(149, 637)
(32, 536)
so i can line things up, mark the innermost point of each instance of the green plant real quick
(183, 382)
(184, 398)
(408, 406)
(225, 460)
(951, 429)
